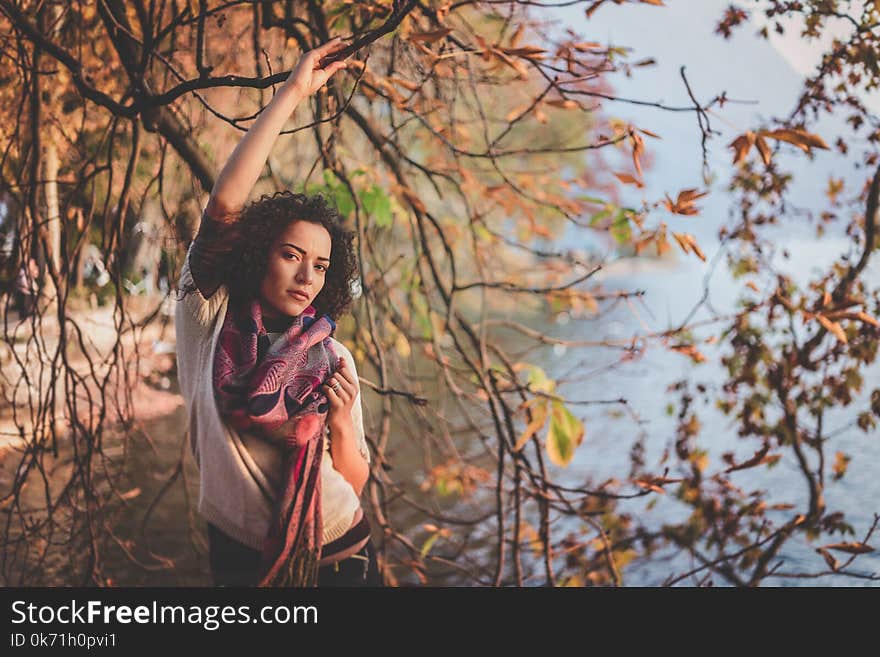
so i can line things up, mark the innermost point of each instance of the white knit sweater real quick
(240, 473)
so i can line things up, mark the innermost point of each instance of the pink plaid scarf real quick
(275, 390)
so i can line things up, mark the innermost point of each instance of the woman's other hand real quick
(341, 390)
(307, 77)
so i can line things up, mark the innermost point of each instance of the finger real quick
(343, 397)
(347, 375)
(338, 380)
(333, 44)
(332, 397)
(344, 384)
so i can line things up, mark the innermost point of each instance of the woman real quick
(274, 403)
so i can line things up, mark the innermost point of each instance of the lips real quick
(299, 296)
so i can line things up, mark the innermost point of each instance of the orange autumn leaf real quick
(516, 111)
(407, 84)
(515, 64)
(865, 317)
(742, 145)
(131, 494)
(689, 196)
(835, 187)
(763, 149)
(647, 485)
(688, 243)
(517, 34)
(684, 204)
(832, 327)
(689, 350)
(663, 245)
(850, 547)
(800, 138)
(562, 103)
(627, 179)
(530, 52)
(593, 7)
(833, 564)
(430, 37)
(860, 316)
(649, 133)
(638, 147)
(841, 461)
(586, 46)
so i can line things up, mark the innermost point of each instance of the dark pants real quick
(235, 564)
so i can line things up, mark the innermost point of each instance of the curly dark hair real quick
(259, 225)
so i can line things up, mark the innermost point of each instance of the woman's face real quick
(297, 263)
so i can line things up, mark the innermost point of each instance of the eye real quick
(322, 267)
(285, 256)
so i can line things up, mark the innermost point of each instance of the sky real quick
(763, 78)
(804, 55)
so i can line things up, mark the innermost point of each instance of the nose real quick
(304, 274)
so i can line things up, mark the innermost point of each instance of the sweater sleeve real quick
(195, 306)
(210, 252)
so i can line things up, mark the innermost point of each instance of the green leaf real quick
(591, 199)
(599, 216)
(566, 433)
(620, 228)
(377, 205)
(337, 191)
(539, 381)
(426, 546)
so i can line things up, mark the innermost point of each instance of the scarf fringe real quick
(301, 570)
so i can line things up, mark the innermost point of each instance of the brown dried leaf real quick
(531, 52)
(763, 149)
(649, 486)
(682, 242)
(689, 196)
(696, 247)
(517, 35)
(841, 461)
(539, 419)
(407, 84)
(689, 350)
(628, 179)
(131, 494)
(860, 316)
(800, 138)
(586, 46)
(850, 547)
(742, 145)
(833, 564)
(832, 327)
(562, 103)
(430, 37)
(593, 7)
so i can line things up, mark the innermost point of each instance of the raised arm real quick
(217, 235)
